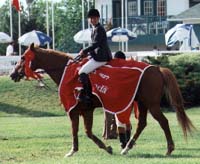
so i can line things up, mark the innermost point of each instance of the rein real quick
(75, 60)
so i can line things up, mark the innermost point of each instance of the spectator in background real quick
(155, 48)
(124, 132)
(120, 55)
(168, 48)
(10, 49)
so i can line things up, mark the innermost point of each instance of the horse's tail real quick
(175, 98)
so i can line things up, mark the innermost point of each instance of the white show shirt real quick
(9, 50)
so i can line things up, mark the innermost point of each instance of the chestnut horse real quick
(154, 83)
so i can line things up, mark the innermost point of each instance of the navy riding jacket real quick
(99, 50)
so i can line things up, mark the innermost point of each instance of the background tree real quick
(67, 23)
(4, 24)
(36, 17)
(67, 16)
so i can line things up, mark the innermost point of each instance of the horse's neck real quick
(53, 66)
(56, 73)
(56, 76)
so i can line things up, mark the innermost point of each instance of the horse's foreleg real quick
(140, 126)
(88, 123)
(100, 144)
(74, 117)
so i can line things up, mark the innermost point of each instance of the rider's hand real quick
(81, 53)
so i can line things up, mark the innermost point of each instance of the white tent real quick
(184, 34)
(5, 38)
(83, 36)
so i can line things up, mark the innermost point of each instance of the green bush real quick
(186, 68)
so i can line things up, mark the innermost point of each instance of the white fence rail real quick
(7, 64)
(139, 55)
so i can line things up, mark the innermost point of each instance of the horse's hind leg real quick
(88, 123)
(140, 127)
(74, 117)
(158, 115)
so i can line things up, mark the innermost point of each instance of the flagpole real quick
(11, 22)
(83, 19)
(19, 34)
(88, 5)
(53, 28)
(47, 19)
(122, 12)
(126, 21)
(17, 5)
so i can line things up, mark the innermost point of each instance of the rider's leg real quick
(86, 93)
(88, 67)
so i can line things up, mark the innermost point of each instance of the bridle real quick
(29, 73)
(24, 68)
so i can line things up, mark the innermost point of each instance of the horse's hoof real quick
(125, 151)
(69, 154)
(170, 150)
(109, 150)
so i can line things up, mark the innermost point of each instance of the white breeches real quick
(90, 66)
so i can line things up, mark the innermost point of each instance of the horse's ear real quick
(32, 47)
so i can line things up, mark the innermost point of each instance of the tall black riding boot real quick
(86, 93)
(122, 139)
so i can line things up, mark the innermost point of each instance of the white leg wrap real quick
(118, 123)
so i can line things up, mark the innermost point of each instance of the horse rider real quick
(120, 55)
(100, 54)
(124, 131)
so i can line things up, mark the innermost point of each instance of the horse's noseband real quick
(18, 72)
(16, 76)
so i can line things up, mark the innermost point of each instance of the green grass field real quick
(34, 129)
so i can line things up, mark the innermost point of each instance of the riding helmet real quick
(120, 55)
(93, 13)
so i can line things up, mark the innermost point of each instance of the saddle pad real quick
(115, 84)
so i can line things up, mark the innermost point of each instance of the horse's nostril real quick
(14, 76)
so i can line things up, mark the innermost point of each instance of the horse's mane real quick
(52, 52)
